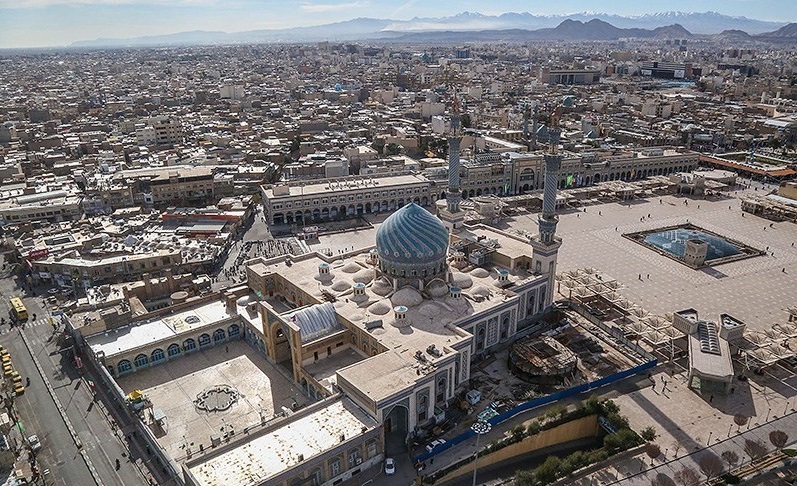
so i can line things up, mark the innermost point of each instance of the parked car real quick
(431, 445)
(390, 466)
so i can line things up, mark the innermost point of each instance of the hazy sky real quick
(31, 23)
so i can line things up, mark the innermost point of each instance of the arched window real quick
(141, 361)
(189, 345)
(218, 336)
(234, 331)
(157, 356)
(204, 340)
(173, 350)
(442, 385)
(124, 366)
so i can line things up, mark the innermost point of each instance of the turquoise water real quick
(674, 243)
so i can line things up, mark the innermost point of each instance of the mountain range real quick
(475, 27)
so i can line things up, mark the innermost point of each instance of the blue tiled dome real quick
(412, 238)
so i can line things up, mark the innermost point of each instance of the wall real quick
(570, 431)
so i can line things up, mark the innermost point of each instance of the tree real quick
(739, 420)
(648, 434)
(778, 438)
(392, 149)
(547, 471)
(524, 478)
(755, 449)
(653, 451)
(687, 477)
(731, 457)
(676, 446)
(662, 479)
(710, 465)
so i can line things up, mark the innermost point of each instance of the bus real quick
(18, 311)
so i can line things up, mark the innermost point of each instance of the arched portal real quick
(396, 426)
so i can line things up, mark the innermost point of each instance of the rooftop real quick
(138, 334)
(284, 447)
(342, 185)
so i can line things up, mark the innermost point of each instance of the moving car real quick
(390, 466)
(34, 443)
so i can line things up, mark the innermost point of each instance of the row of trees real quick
(712, 466)
(554, 467)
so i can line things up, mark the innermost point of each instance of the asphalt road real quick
(39, 413)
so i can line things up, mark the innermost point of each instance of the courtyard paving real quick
(173, 386)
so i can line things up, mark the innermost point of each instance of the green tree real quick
(548, 471)
(620, 440)
(525, 478)
(648, 434)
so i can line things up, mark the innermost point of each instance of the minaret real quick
(451, 215)
(546, 245)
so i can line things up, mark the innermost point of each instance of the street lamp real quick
(479, 428)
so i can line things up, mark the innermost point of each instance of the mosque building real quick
(394, 327)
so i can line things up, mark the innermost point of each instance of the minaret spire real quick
(453, 196)
(451, 215)
(545, 246)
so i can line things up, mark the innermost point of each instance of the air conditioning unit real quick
(359, 460)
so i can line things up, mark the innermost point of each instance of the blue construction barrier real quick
(537, 402)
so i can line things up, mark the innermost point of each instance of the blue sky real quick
(34, 23)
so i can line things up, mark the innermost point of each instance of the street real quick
(40, 415)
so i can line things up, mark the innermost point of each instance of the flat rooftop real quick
(173, 386)
(139, 334)
(343, 185)
(279, 449)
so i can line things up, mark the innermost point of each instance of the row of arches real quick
(579, 180)
(175, 350)
(344, 211)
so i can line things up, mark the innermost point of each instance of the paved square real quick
(755, 290)
(174, 385)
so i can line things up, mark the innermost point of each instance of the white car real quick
(390, 466)
(431, 445)
(33, 442)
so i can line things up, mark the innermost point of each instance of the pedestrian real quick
(648, 276)
(600, 213)
(640, 276)
(711, 399)
(784, 269)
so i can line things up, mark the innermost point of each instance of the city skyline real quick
(45, 23)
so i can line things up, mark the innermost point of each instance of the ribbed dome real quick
(412, 236)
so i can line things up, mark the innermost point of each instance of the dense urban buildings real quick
(283, 264)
